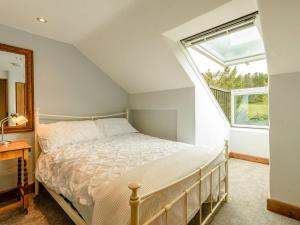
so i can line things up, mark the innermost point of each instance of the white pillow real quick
(55, 135)
(114, 126)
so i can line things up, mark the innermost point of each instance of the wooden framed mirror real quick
(16, 86)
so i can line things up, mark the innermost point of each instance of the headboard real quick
(55, 118)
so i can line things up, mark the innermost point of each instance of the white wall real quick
(284, 138)
(281, 29)
(254, 142)
(65, 82)
(181, 101)
(212, 127)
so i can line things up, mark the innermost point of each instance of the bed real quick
(131, 178)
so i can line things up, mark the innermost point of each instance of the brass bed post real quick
(226, 168)
(36, 148)
(127, 114)
(134, 203)
(200, 197)
(226, 181)
(226, 148)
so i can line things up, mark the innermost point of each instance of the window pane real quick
(251, 110)
(239, 44)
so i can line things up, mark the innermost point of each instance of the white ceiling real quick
(123, 37)
(68, 20)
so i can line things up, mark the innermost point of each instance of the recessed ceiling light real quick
(41, 20)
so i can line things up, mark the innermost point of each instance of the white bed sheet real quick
(88, 173)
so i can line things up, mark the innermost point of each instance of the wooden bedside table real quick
(19, 150)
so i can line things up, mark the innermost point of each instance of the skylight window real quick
(232, 46)
(235, 42)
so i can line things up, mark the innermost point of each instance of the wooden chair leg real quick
(25, 197)
(19, 181)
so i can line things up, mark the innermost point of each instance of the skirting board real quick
(284, 209)
(11, 194)
(251, 158)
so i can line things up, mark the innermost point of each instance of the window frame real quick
(247, 91)
(249, 20)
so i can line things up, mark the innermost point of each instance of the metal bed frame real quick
(137, 201)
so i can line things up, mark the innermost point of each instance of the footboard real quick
(136, 201)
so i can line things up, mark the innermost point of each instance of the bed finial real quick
(226, 148)
(134, 203)
(36, 146)
(226, 168)
(127, 114)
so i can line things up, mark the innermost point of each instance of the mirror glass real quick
(12, 85)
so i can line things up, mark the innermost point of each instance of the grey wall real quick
(65, 82)
(284, 137)
(157, 123)
(151, 106)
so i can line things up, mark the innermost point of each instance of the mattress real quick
(94, 175)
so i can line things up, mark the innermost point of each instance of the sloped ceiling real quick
(123, 37)
(131, 47)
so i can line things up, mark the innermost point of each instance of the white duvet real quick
(97, 173)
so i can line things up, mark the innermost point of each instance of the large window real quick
(250, 108)
(231, 58)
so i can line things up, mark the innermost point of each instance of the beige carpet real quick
(249, 188)
(247, 205)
